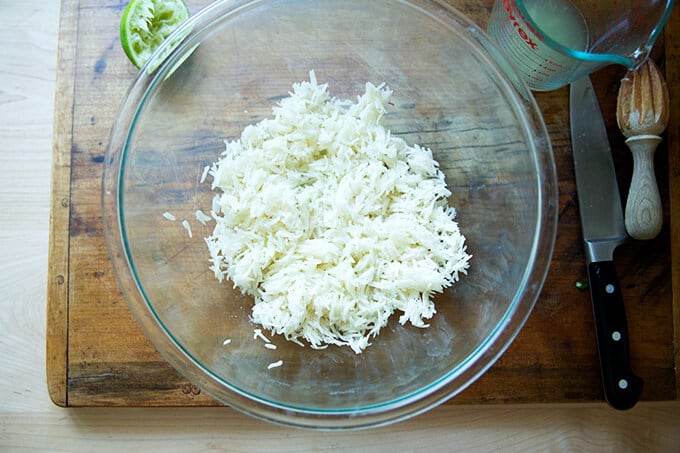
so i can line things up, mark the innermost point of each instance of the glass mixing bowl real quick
(452, 93)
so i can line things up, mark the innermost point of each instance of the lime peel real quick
(145, 24)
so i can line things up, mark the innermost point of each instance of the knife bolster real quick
(601, 250)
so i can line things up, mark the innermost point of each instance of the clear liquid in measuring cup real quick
(560, 20)
(542, 66)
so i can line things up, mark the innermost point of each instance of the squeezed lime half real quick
(146, 23)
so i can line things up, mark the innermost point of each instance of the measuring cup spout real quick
(639, 56)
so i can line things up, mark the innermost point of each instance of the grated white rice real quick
(275, 365)
(187, 227)
(332, 223)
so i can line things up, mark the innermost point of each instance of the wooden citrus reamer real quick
(642, 114)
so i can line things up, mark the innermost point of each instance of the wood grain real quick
(27, 79)
(57, 284)
(535, 428)
(672, 37)
(107, 361)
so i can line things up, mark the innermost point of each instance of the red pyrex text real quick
(515, 23)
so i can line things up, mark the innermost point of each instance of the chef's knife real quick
(603, 231)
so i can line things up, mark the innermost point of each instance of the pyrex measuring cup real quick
(554, 42)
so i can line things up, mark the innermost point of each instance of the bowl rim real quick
(435, 393)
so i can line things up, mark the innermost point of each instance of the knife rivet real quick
(623, 384)
(616, 335)
(609, 288)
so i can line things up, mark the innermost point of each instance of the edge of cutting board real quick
(58, 252)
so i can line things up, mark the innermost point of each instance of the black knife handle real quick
(622, 388)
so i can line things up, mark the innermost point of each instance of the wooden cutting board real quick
(97, 356)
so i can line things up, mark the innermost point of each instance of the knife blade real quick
(604, 230)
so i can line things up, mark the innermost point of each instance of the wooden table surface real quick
(29, 421)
